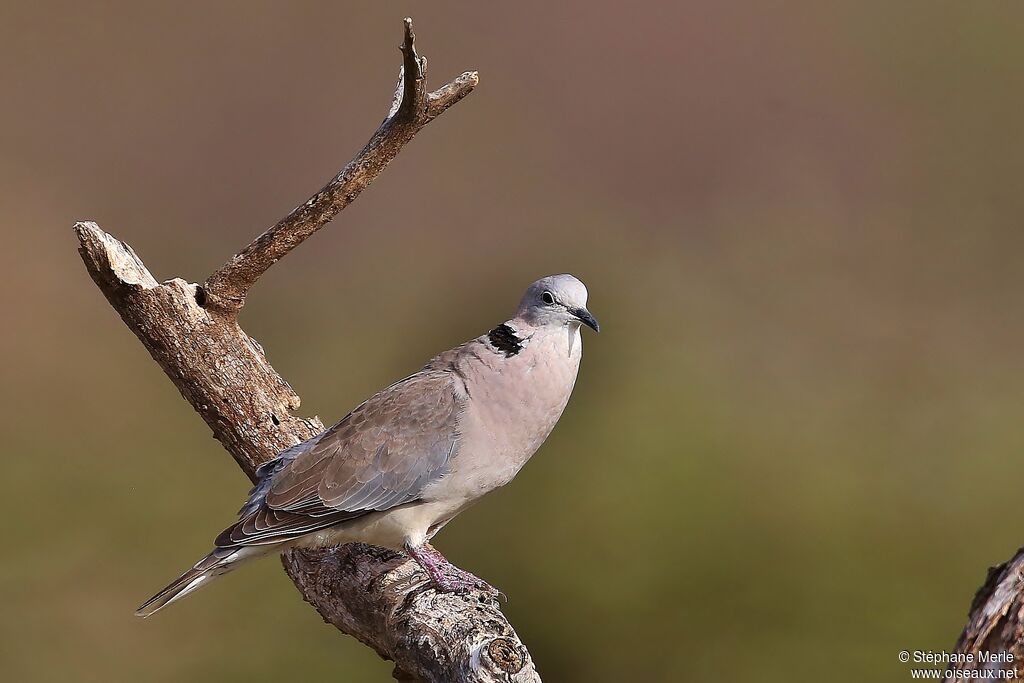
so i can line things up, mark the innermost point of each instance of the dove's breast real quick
(513, 403)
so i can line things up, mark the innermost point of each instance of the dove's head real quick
(557, 300)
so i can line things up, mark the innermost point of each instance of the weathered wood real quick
(412, 109)
(378, 596)
(996, 621)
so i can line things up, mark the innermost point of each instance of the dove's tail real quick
(220, 561)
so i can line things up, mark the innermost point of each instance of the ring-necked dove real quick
(408, 460)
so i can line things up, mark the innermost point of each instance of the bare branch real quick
(380, 597)
(454, 638)
(996, 621)
(413, 108)
(449, 94)
(219, 370)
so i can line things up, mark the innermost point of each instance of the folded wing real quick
(379, 456)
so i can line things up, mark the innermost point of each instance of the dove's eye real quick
(548, 298)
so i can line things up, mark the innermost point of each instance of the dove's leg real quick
(445, 576)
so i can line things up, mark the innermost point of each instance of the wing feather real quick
(379, 456)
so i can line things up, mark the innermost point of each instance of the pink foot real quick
(445, 576)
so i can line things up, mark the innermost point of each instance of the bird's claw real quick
(445, 577)
(455, 580)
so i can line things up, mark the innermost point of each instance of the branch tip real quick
(412, 108)
(109, 258)
(410, 37)
(413, 76)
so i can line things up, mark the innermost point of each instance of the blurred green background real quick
(793, 451)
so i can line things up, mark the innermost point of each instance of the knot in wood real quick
(506, 655)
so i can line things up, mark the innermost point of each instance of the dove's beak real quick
(583, 315)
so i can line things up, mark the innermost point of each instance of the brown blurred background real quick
(793, 451)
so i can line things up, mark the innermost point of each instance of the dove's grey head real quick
(557, 300)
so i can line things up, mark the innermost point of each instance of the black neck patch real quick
(504, 339)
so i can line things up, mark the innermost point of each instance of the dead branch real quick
(996, 621)
(413, 108)
(192, 332)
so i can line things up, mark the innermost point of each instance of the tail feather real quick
(220, 561)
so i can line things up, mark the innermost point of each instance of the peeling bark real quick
(192, 331)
